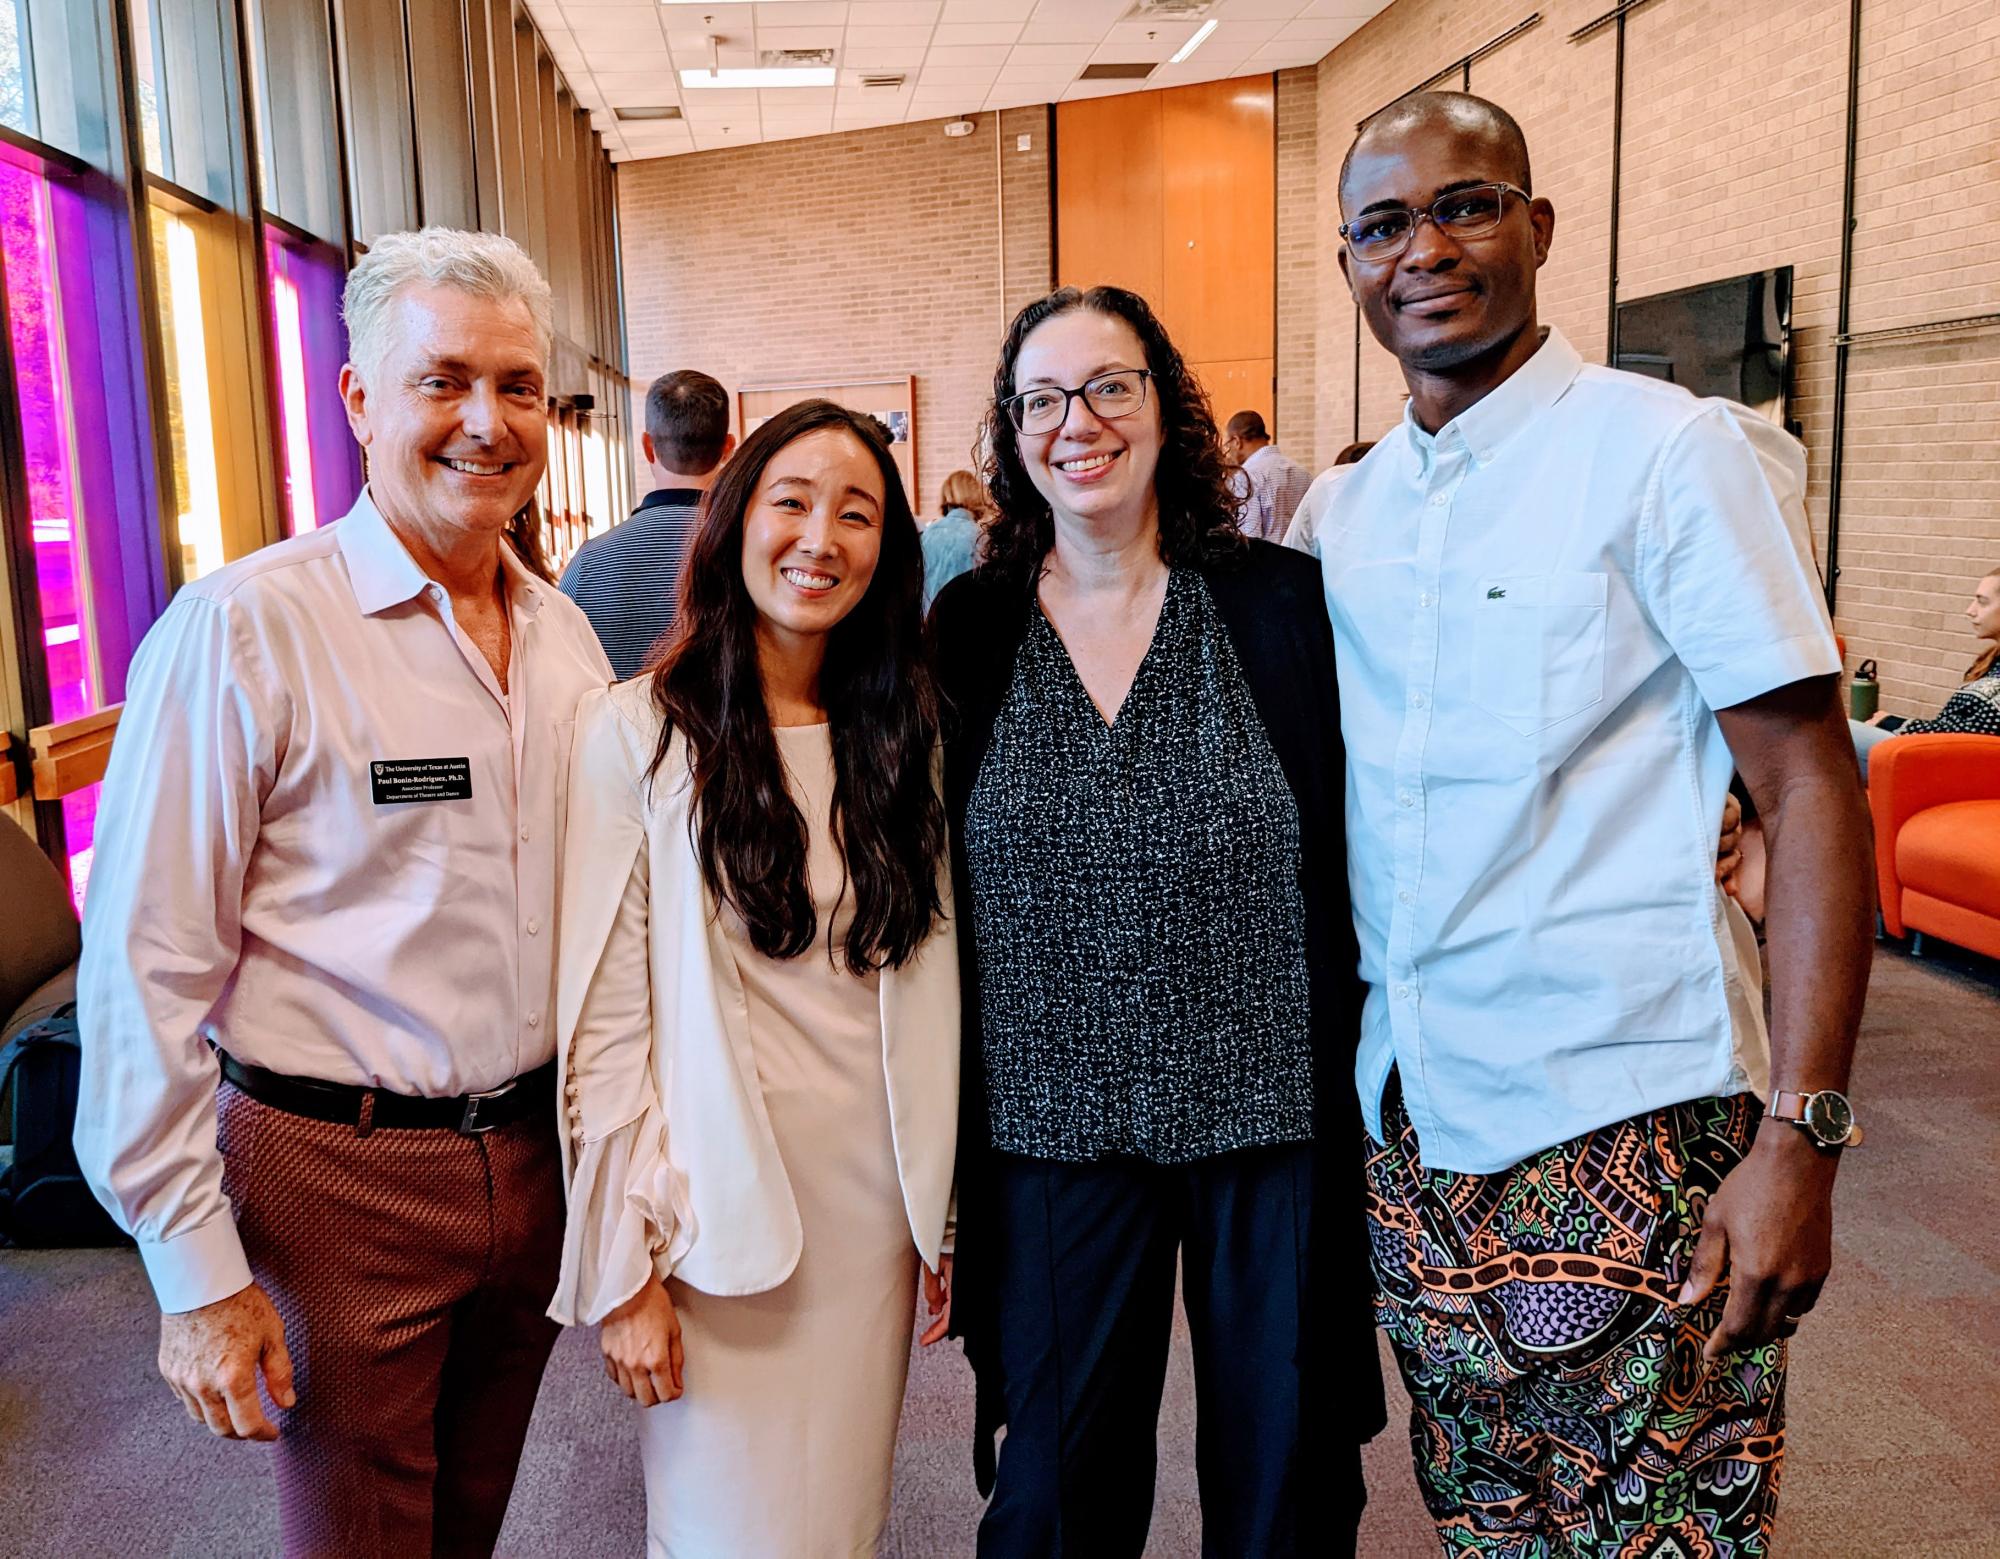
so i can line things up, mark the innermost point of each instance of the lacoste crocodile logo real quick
(1495, 594)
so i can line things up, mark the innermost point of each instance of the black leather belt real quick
(375, 1109)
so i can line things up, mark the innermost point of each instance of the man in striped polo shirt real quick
(628, 579)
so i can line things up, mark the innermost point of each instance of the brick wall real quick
(1297, 429)
(856, 256)
(1734, 141)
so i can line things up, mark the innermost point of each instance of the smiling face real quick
(812, 535)
(453, 416)
(1091, 470)
(1984, 611)
(1445, 304)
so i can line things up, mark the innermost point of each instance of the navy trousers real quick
(1086, 1279)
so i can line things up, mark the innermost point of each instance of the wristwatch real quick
(1825, 1116)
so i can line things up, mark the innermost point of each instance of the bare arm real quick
(1771, 1223)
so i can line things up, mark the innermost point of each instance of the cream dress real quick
(782, 1443)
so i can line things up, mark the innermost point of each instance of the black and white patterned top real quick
(1136, 900)
(1974, 710)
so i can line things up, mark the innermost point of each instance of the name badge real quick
(397, 780)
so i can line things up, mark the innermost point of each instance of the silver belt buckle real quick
(470, 1124)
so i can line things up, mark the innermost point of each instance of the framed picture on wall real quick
(891, 402)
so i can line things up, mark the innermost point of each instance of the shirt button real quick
(1439, 500)
(1416, 700)
(524, 831)
(1405, 799)
(1422, 600)
(534, 1020)
(1406, 897)
(534, 926)
(1402, 993)
(571, 1090)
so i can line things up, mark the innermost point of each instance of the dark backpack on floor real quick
(43, 1199)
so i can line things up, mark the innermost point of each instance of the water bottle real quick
(1864, 693)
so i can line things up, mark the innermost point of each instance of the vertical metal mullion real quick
(127, 133)
(1617, 192)
(261, 336)
(1841, 347)
(336, 43)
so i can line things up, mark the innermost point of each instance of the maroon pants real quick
(412, 1269)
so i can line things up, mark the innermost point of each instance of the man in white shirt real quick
(1567, 602)
(1274, 482)
(317, 982)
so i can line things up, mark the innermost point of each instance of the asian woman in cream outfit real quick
(758, 1008)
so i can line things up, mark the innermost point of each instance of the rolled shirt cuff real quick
(198, 1266)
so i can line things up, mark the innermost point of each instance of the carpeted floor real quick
(1895, 1445)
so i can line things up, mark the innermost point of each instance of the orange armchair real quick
(1936, 803)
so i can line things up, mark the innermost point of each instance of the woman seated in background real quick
(758, 1008)
(951, 544)
(1144, 774)
(1974, 709)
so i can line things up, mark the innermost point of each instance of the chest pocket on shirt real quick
(1538, 648)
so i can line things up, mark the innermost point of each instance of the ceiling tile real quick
(960, 56)
(892, 13)
(985, 35)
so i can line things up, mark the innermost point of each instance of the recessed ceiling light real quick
(1200, 37)
(656, 111)
(698, 76)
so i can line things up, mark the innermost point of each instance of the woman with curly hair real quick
(1144, 775)
(758, 1007)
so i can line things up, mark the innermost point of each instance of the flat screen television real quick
(1730, 338)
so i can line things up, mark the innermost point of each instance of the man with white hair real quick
(317, 984)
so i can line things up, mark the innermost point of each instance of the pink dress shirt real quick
(249, 887)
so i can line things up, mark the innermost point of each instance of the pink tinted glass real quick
(34, 312)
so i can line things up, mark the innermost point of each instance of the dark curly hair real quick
(881, 704)
(1197, 505)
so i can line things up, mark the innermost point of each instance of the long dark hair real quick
(1197, 508)
(880, 701)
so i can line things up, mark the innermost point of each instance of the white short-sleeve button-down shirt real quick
(1538, 612)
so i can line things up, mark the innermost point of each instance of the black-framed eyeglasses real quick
(1472, 212)
(1109, 396)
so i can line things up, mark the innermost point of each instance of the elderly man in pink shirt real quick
(317, 981)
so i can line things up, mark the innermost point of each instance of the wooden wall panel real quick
(1174, 195)
(1110, 212)
(1220, 158)
(1242, 385)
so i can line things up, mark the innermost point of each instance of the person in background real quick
(1144, 778)
(1974, 709)
(1319, 497)
(627, 580)
(951, 544)
(759, 1008)
(1275, 482)
(1567, 602)
(317, 991)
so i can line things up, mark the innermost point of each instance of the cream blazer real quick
(684, 1073)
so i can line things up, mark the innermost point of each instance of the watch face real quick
(1829, 1117)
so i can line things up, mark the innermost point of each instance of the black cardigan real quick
(1271, 606)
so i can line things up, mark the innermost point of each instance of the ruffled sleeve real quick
(629, 1214)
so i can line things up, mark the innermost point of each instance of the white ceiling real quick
(959, 57)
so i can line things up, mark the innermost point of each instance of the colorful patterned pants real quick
(1561, 1405)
